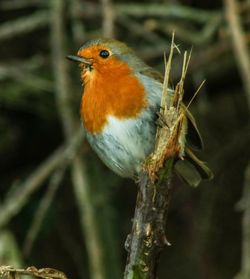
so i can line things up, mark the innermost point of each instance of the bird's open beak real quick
(80, 59)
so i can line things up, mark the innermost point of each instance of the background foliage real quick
(59, 205)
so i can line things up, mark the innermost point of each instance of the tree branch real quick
(245, 268)
(239, 44)
(44, 205)
(148, 236)
(23, 72)
(245, 207)
(165, 10)
(108, 18)
(23, 25)
(140, 29)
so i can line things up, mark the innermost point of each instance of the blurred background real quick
(60, 206)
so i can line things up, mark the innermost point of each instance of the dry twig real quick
(46, 273)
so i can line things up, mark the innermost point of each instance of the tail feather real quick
(192, 170)
(201, 166)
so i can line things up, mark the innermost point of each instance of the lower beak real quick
(80, 59)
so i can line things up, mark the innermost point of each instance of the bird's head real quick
(106, 56)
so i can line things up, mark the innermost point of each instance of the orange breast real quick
(110, 90)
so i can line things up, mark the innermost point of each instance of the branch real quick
(10, 251)
(246, 227)
(7, 5)
(166, 10)
(44, 205)
(108, 18)
(77, 26)
(199, 37)
(24, 72)
(51, 273)
(239, 44)
(23, 25)
(140, 29)
(151, 10)
(244, 205)
(148, 236)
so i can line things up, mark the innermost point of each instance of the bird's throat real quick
(115, 92)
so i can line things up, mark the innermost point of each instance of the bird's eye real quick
(104, 53)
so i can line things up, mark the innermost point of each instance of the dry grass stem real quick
(46, 273)
(170, 136)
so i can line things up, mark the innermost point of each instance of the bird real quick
(119, 106)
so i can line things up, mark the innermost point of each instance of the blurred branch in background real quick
(199, 37)
(241, 51)
(44, 205)
(140, 30)
(9, 250)
(99, 260)
(7, 5)
(78, 28)
(108, 19)
(79, 175)
(125, 14)
(244, 206)
(242, 58)
(166, 11)
(23, 25)
(245, 268)
(25, 73)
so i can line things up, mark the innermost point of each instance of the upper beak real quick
(80, 59)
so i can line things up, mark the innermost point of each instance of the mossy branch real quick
(148, 235)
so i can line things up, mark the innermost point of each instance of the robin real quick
(120, 100)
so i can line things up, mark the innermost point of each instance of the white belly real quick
(124, 144)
